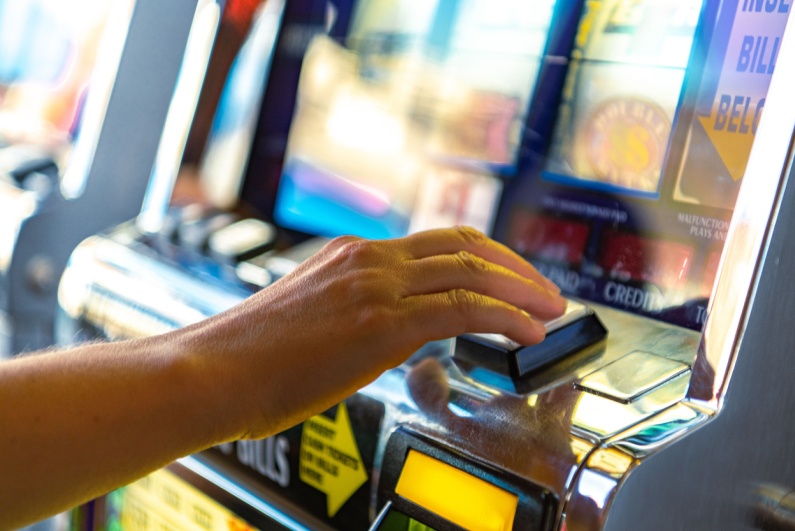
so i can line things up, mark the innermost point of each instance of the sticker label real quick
(740, 97)
(164, 502)
(329, 460)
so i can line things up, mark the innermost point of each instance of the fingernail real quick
(551, 286)
(540, 329)
(560, 302)
(536, 325)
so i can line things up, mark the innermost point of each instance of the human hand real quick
(358, 308)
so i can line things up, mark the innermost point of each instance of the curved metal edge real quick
(744, 252)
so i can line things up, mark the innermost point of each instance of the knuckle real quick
(471, 235)
(357, 251)
(341, 241)
(471, 263)
(463, 301)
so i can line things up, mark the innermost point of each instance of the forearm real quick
(77, 424)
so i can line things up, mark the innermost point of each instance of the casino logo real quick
(623, 143)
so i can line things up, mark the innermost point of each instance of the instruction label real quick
(744, 80)
(330, 460)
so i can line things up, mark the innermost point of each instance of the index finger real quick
(457, 239)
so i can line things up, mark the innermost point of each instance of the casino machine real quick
(84, 96)
(637, 152)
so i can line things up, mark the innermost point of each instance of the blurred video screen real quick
(413, 121)
(632, 204)
(48, 51)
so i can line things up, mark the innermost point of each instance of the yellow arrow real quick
(330, 460)
(734, 148)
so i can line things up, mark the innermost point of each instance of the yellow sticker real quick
(732, 139)
(330, 460)
(164, 502)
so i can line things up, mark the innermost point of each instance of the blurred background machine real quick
(636, 151)
(85, 90)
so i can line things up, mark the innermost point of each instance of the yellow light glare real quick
(461, 498)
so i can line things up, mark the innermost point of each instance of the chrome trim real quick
(659, 430)
(103, 78)
(744, 252)
(605, 417)
(242, 494)
(631, 376)
(180, 114)
(128, 295)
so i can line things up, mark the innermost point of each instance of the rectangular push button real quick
(576, 329)
(632, 376)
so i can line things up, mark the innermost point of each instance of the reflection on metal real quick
(635, 374)
(605, 417)
(594, 487)
(774, 508)
(180, 114)
(75, 176)
(97, 287)
(559, 424)
(754, 213)
(646, 436)
(610, 462)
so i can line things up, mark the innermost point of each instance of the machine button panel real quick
(242, 240)
(632, 376)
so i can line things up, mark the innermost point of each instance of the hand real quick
(358, 308)
(89, 419)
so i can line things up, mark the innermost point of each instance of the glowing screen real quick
(631, 204)
(410, 123)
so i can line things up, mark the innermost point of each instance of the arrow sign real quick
(733, 139)
(744, 79)
(330, 460)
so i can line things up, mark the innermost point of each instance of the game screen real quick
(413, 120)
(633, 201)
(48, 50)
(423, 117)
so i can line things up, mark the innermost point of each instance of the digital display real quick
(414, 119)
(397, 521)
(631, 205)
(466, 500)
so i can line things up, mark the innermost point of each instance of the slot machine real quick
(84, 98)
(636, 152)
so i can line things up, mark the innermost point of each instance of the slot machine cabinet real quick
(736, 471)
(107, 173)
(658, 435)
(201, 280)
(677, 419)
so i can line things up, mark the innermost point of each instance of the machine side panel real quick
(711, 479)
